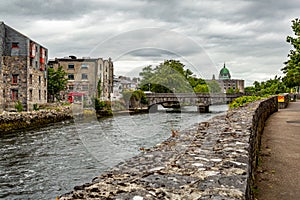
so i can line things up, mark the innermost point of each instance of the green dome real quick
(224, 73)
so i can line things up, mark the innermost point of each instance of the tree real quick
(99, 88)
(201, 88)
(292, 66)
(135, 98)
(169, 76)
(56, 82)
(214, 86)
(269, 87)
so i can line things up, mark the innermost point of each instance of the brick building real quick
(22, 70)
(84, 75)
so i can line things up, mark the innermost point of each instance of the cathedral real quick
(227, 83)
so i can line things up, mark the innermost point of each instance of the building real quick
(22, 70)
(123, 83)
(227, 83)
(84, 75)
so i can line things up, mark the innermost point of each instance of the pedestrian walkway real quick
(279, 172)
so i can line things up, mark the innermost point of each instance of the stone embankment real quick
(216, 159)
(14, 121)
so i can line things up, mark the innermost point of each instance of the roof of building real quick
(224, 73)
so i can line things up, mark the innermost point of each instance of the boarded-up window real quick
(14, 95)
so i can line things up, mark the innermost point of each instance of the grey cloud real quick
(48, 9)
(246, 34)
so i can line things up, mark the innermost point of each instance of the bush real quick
(241, 101)
(101, 105)
(19, 106)
(36, 107)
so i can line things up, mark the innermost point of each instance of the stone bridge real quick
(203, 101)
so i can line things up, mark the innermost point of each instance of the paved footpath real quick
(279, 172)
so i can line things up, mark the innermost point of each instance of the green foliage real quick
(134, 98)
(56, 82)
(241, 101)
(99, 88)
(169, 76)
(19, 106)
(36, 107)
(201, 88)
(292, 66)
(230, 91)
(214, 86)
(269, 87)
(101, 105)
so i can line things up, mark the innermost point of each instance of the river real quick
(48, 162)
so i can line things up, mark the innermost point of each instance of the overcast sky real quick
(249, 36)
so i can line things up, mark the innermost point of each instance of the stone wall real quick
(216, 159)
(13, 121)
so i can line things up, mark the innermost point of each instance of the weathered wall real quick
(12, 121)
(212, 160)
(14, 65)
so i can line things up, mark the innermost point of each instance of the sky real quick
(248, 36)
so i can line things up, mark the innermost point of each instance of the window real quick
(15, 45)
(40, 80)
(30, 95)
(71, 87)
(85, 87)
(40, 95)
(84, 66)
(70, 66)
(15, 78)
(14, 95)
(30, 79)
(45, 95)
(84, 76)
(71, 76)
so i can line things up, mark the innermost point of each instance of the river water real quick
(48, 162)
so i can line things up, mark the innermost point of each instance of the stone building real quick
(225, 81)
(84, 75)
(22, 70)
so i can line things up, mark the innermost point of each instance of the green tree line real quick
(171, 76)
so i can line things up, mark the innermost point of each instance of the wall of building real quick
(232, 83)
(98, 69)
(24, 74)
(14, 66)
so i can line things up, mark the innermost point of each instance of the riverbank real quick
(16, 121)
(216, 159)
(22, 121)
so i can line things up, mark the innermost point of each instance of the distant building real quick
(84, 75)
(123, 83)
(226, 82)
(23, 66)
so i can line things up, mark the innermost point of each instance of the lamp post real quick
(149, 86)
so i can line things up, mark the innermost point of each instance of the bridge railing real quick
(193, 95)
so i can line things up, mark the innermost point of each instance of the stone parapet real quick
(216, 159)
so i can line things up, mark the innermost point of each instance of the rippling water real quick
(48, 162)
